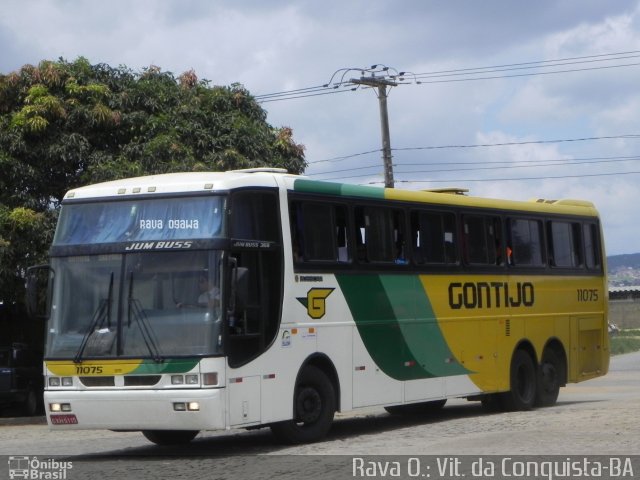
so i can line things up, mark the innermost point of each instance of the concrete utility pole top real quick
(381, 84)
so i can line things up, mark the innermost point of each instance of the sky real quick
(513, 100)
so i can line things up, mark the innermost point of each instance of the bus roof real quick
(194, 182)
(443, 197)
(172, 183)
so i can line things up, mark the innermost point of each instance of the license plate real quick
(68, 419)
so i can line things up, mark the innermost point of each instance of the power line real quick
(510, 162)
(538, 165)
(503, 165)
(531, 65)
(295, 91)
(480, 145)
(527, 142)
(382, 72)
(345, 157)
(533, 74)
(331, 92)
(514, 179)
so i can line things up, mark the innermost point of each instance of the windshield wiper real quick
(136, 311)
(102, 313)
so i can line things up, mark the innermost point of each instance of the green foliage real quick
(628, 333)
(25, 236)
(65, 124)
(624, 344)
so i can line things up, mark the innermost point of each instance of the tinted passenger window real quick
(380, 235)
(565, 244)
(482, 242)
(591, 246)
(526, 243)
(433, 236)
(319, 232)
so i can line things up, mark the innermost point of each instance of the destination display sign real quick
(140, 220)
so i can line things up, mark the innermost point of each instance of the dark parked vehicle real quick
(21, 379)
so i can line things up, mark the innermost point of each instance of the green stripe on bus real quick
(337, 189)
(167, 366)
(419, 325)
(402, 345)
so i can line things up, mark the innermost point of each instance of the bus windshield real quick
(142, 305)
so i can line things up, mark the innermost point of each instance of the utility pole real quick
(381, 84)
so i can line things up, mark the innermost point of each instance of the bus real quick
(187, 302)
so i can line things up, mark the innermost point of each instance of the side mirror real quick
(37, 286)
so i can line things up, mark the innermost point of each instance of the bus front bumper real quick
(202, 409)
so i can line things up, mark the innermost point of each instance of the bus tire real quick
(170, 437)
(523, 381)
(417, 408)
(314, 405)
(550, 374)
(491, 402)
(31, 405)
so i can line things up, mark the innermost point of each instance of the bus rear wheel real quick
(170, 437)
(314, 405)
(550, 375)
(522, 394)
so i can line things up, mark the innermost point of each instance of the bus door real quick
(254, 298)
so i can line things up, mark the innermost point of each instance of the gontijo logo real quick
(315, 301)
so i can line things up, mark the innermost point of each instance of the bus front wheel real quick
(522, 394)
(170, 437)
(314, 405)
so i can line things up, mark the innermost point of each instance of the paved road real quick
(601, 416)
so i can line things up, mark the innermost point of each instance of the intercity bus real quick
(186, 302)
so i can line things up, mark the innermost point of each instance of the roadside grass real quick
(625, 341)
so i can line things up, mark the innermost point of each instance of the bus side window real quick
(433, 237)
(320, 243)
(319, 232)
(565, 244)
(591, 246)
(525, 242)
(380, 235)
(482, 240)
(341, 229)
(361, 235)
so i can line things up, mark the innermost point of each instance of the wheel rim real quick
(308, 405)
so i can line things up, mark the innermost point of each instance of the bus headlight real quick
(59, 407)
(60, 381)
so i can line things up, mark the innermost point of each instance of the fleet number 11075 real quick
(587, 294)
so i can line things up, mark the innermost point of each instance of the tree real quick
(65, 124)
